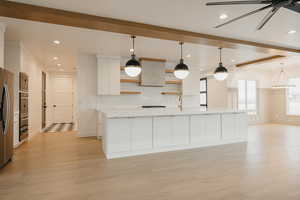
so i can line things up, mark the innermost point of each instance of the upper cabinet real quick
(108, 75)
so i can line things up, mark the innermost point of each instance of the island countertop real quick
(120, 113)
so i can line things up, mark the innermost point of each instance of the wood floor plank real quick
(63, 166)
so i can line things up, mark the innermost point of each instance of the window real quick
(247, 96)
(203, 93)
(293, 97)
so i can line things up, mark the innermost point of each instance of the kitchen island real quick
(144, 131)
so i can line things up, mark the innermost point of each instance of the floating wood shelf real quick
(169, 70)
(174, 82)
(153, 59)
(129, 81)
(130, 92)
(170, 93)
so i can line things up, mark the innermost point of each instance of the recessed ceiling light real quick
(131, 50)
(292, 32)
(56, 42)
(189, 55)
(55, 58)
(59, 64)
(232, 60)
(223, 16)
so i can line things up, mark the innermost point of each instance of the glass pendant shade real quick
(281, 82)
(133, 67)
(221, 73)
(181, 70)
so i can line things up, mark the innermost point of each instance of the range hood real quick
(153, 72)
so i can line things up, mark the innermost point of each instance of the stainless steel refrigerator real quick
(6, 116)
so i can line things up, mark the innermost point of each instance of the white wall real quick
(19, 59)
(87, 95)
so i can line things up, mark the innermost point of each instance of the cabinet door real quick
(181, 131)
(242, 125)
(229, 127)
(108, 75)
(141, 133)
(162, 131)
(118, 138)
(197, 129)
(213, 127)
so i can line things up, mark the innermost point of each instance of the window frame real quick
(256, 111)
(287, 101)
(204, 92)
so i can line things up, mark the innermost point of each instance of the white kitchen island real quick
(144, 131)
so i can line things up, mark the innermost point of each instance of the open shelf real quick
(169, 70)
(174, 82)
(170, 93)
(130, 92)
(129, 81)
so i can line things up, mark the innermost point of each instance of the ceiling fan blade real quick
(267, 17)
(237, 2)
(245, 15)
(294, 7)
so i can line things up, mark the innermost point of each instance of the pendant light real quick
(281, 81)
(221, 72)
(133, 66)
(181, 70)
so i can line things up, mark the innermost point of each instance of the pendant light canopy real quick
(181, 70)
(221, 72)
(281, 81)
(133, 67)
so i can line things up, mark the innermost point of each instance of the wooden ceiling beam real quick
(74, 19)
(261, 60)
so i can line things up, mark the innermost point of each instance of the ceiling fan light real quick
(133, 67)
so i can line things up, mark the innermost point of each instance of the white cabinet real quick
(242, 126)
(141, 133)
(181, 130)
(170, 131)
(162, 131)
(108, 75)
(118, 139)
(205, 128)
(229, 127)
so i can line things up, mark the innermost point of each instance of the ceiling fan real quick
(275, 5)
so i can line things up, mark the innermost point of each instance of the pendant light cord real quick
(181, 43)
(220, 54)
(133, 37)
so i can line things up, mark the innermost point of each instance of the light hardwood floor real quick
(62, 166)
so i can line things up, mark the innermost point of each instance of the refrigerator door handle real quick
(7, 119)
(5, 98)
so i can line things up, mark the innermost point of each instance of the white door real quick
(63, 99)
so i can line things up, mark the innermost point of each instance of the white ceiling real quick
(182, 14)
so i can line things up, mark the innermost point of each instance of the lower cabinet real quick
(118, 137)
(205, 128)
(234, 126)
(141, 133)
(170, 131)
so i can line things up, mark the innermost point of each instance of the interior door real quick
(44, 105)
(63, 99)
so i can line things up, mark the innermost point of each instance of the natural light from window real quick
(293, 97)
(247, 98)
